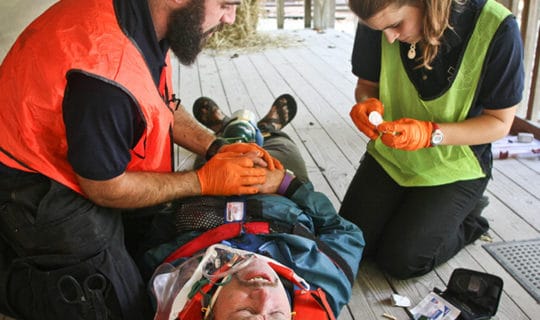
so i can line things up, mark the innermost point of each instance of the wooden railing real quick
(528, 15)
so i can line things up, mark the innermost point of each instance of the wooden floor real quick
(317, 73)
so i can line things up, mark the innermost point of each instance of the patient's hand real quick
(273, 180)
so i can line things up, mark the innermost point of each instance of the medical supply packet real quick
(434, 307)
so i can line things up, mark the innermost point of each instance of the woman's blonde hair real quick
(436, 20)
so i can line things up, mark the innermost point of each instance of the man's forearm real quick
(188, 133)
(141, 189)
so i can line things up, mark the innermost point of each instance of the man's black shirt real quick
(102, 122)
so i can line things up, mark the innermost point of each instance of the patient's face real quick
(253, 292)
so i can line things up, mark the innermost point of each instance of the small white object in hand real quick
(375, 118)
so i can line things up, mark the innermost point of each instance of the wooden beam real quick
(280, 13)
(324, 14)
(529, 28)
(533, 109)
(520, 125)
(307, 14)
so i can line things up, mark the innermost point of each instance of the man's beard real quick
(184, 32)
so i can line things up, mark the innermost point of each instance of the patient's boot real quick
(207, 112)
(283, 110)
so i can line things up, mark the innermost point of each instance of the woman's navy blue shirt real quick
(502, 77)
(501, 82)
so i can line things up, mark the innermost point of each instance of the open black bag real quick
(475, 293)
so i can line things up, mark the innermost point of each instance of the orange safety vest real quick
(82, 36)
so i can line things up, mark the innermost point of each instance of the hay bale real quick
(243, 34)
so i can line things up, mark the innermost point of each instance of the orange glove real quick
(272, 162)
(360, 116)
(406, 134)
(230, 173)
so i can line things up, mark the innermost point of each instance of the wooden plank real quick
(189, 84)
(345, 314)
(212, 86)
(505, 223)
(311, 94)
(187, 87)
(336, 83)
(516, 197)
(533, 164)
(371, 296)
(306, 122)
(280, 78)
(522, 175)
(333, 48)
(337, 170)
(236, 94)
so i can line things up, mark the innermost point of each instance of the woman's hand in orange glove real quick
(360, 116)
(406, 134)
(269, 162)
(230, 173)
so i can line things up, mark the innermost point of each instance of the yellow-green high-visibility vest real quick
(442, 164)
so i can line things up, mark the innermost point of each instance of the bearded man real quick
(88, 123)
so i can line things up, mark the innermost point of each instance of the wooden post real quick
(533, 108)
(530, 25)
(324, 14)
(280, 13)
(307, 14)
(529, 13)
